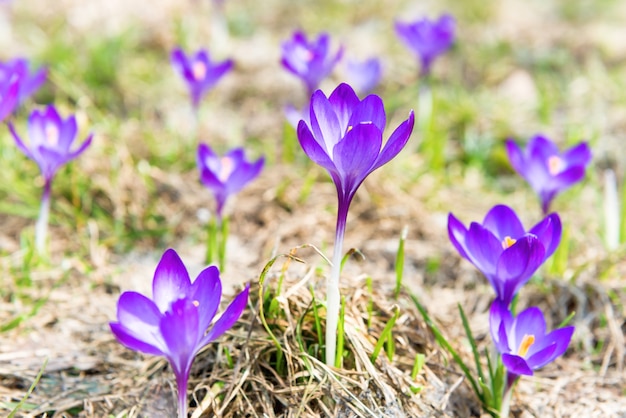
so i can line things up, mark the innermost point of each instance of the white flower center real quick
(227, 166)
(199, 70)
(555, 165)
(52, 135)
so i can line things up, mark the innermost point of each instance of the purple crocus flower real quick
(20, 68)
(345, 137)
(502, 250)
(51, 138)
(9, 97)
(199, 72)
(427, 38)
(546, 169)
(175, 322)
(226, 175)
(312, 61)
(365, 75)
(523, 342)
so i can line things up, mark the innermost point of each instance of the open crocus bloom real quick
(51, 138)
(427, 38)
(226, 175)
(199, 72)
(345, 137)
(546, 169)
(311, 60)
(502, 250)
(9, 94)
(522, 340)
(175, 322)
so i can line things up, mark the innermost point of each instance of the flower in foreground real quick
(226, 175)
(345, 137)
(427, 38)
(199, 72)
(175, 322)
(546, 169)
(365, 75)
(51, 138)
(523, 341)
(311, 60)
(19, 68)
(502, 250)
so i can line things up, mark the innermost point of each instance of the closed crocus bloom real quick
(226, 175)
(345, 136)
(523, 341)
(503, 250)
(311, 61)
(427, 39)
(364, 76)
(199, 72)
(546, 169)
(28, 82)
(176, 322)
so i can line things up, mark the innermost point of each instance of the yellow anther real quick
(527, 341)
(507, 242)
(555, 165)
(195, 303)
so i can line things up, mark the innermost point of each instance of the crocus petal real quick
(181, 334)
(171, 280)
(81, 149)
(516, 157)
(578, 155)
(324, 122)
(355, 154)
(516, 364)
(370, 110)
(206, 293)
(139, 318)
(542, 357)
(548, 231)
(313, 149)
(243, 175)
(229, 317)
(568, 177)
(19, 143)
(561, 338)
(127, 339)
(457, 233)
(527, 322)
(483, 249)
(502, 221)
(67, 133)
(396, 142)
(516, 266)
(343, 101)
(541, 148)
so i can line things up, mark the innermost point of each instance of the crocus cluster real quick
(50, 146)
(546, 169)
(176, 322)
(345, 136)
(508, 255)
(427, 39)
(199, 72)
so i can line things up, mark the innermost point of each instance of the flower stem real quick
(41, 228)
(181, 383)
(332, 285)
(505, 406)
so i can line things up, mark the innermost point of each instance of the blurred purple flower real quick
(523, 342)
(18, 68)
(546, 169)
(427, 38)
(345, 137)
(9, 97)
(311, 61)
(502, 249)
(199, 72)
(365, 75)
(226, 175)
(50, 140)
(174, 323)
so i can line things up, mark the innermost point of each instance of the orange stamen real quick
(527, 341)
(555, 165)
(507, 242)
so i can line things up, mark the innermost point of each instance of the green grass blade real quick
(400, 261)
(30, 389)
(385, 334)
(472, 342)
